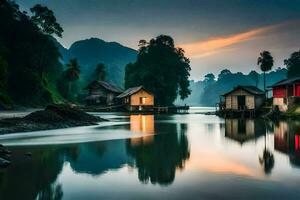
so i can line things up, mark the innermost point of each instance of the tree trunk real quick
(265, 83)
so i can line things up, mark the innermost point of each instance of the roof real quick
(106, 85)
(249, 88)
(131, 91)
(287, 81)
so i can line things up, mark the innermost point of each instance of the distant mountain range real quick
(92, 51)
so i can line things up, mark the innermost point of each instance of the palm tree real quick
(72, 73)
(265, 61)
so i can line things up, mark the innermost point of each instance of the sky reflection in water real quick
(168, 156)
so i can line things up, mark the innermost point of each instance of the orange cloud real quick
(212, 46)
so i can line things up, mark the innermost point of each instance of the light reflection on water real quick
(167, 156)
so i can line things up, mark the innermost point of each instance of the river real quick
(183, 156)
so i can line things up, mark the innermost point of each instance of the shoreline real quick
(52, 117)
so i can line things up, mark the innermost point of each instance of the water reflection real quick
(287, 140)
(142, 125)
(242, 130)
(158, 160)
(96, 158)
(159, 148)
(28, 178)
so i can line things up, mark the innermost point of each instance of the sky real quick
(215, 34)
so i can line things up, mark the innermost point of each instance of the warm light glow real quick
(212, 46)
(142, 124)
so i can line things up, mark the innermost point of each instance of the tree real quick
(31, 57)
(209, 78)
(254, 76)
(72, 73)
(265, 61)
(224, 73)
(46, 22)
(161, 68)
(293, 64)
(44, 18)
(100, 72)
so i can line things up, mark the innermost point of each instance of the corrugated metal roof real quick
(106, 85)
(130, 91)
(287, 81)
(249, 88)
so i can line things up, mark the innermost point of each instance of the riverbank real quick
(52, 117)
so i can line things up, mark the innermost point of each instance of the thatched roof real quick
(106, 85)
(131, 91)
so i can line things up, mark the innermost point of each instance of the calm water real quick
(190, 156)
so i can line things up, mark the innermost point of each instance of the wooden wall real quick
(135, 98)
(251, 101)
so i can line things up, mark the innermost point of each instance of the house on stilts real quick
(286, 93)
(242, 100)
(102, 93)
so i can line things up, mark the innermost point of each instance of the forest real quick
(36, 70)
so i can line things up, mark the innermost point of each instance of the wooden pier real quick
(171, 109)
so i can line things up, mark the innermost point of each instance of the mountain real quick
(92, 51)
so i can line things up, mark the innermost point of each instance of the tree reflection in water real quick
(158, 160)
(31, 178)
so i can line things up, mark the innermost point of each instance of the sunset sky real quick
(215, 34)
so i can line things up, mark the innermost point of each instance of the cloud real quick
(211, 46)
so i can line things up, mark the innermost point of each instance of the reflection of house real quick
(137, 99)
(102, 93)
(285, 92)
(287, 140)
(142, 124)
(281, 137)
(242, 130)
(244, 98)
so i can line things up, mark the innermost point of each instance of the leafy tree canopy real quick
(161, 68)
(293, 64)
(265, 61)
(44, 18)
(30, 61)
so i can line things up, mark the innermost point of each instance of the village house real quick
(285, 93)
(243, 98)
(137, 99)
(102, 93)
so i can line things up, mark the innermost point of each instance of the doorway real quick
(241, 102)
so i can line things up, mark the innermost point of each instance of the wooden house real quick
(285, 93)
(102, 93)
(137, 99)
(243, 98)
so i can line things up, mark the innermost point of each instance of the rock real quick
(4, 163)
(53, 117)
(5, 156)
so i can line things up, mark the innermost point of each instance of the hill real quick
(92, 51)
